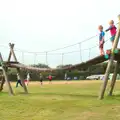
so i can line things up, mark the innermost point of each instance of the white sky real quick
(42, 25)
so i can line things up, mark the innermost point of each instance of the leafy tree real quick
(40, 65)
(62, 66)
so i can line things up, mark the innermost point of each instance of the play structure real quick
(111, 55)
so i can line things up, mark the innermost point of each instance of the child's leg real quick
(27, 82)
(112, 39)
(41, 82)
(101, 49)
(17, 84)
(20, 82)
(112, 43)
(50, 81)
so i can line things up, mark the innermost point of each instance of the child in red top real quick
(112, 29)
(50, 78)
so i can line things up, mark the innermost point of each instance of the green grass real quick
(78, 101)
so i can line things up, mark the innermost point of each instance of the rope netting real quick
(71, 54)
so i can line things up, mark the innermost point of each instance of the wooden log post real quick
(10, 54)
(18, 69)
(110, 63)
(114, 78)
(4, 68)
(22, 80)
(2, 82)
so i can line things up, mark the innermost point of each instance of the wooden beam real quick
(114, 78)
(2, 82)
(12, 51)
(4, 68)
(101, 96)
(12, 46)
(18, 69)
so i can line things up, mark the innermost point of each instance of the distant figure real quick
(18, 80)
(101, 39)
(41, 78)
(112, 29)
(65, 76)
(28, 78)
(50, 79)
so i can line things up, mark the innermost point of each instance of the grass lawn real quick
(58, 101)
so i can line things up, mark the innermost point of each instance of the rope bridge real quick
(111, 54)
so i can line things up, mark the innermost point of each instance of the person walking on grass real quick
(41, 79)
(18, 80)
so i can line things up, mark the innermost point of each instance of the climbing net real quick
(70, 54)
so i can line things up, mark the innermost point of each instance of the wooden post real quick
(110, 62)
(22, 80)
(12, 45)
(4, 68)
(18, 69)
(12, 52)
(2, 82)
(114, 78)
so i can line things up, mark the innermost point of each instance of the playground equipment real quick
(111, 55)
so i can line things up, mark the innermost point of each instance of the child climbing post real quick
(113, 31)
(18, 80)
(101, 39)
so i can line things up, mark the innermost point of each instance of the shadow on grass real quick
(66, 95)
(4, 93)
(115, 96)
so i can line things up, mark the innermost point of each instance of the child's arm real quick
(109, 28)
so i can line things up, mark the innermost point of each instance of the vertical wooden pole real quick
(12, 52)
(18, 70)
(114, 78)
(46, 58)
(89, 52)
(12, 45)
(80, 52)
(101, 96)
(4, 68)
(62, 58)
(2, 82)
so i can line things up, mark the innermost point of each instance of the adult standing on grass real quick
(41, 78)
(18, 80)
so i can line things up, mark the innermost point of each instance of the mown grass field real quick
(59, 101)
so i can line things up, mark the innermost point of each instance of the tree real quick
(40, 65)
(62, 66)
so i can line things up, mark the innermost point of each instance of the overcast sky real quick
(43, 25)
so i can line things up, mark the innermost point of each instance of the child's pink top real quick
(112, 30)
